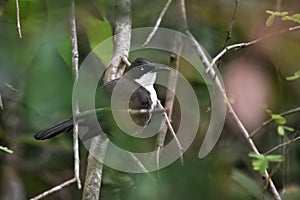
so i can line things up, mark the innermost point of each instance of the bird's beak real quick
(160, 68)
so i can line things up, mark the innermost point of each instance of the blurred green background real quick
(36, 88)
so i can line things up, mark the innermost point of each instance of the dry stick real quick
(73, 37)
(1, 104)
(18, 19)
(174, 62)
(161, 15)
(212, 73)
(246, 44)
(294, 110)
(54, 189)
(240, 124)
(281, 145)
(230, 26)
(122, 40)
(171, 130)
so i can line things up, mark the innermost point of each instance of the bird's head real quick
(143, 71)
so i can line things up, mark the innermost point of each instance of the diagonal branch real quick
(158, 21)
(212, 73)
(294, 110)
(54, 189)
(18, 19)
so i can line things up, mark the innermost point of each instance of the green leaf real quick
(97, 29)
(280, 130)
(261, 162)
(7, 150)
(289, 128)
(260, 165)
(294, 77)
(278, 119)
(270, 21)
(270, 12)
(274, 158)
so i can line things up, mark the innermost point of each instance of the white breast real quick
(147, 81)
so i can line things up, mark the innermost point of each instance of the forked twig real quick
(247, 44)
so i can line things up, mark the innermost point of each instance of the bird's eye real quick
(142, 68)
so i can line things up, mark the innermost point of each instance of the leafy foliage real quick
(284, 16)
(281, 121)
(261, 162)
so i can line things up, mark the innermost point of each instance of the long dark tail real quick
(64, 126)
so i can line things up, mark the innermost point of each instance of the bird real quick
(142, 75)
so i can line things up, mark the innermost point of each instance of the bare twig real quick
(54, 189)
(212, 73)
(246, 44)
(230, 26)
(281, 145)
(18, 19)
(172, 130)
(161, 15)
(75, 56)
(174, 62)
(1, 104)
(294, 110)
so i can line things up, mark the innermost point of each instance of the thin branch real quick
(174, 63)
(294, 110)
(161, 15)
(230, 26)
(172, 131)
(54, 189)
(1, 104)
(73, 36)
(18, 19)
(212, 73)
(183, 13)
(247, 44)
(281, 145)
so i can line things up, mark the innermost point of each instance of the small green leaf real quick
(278, 119)
(7, 150)
(270, 21)
(261, 162)
(280, 130)
(270, 12)
(274, 158)
(294, 77)
(289, 128)
(260, 165)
